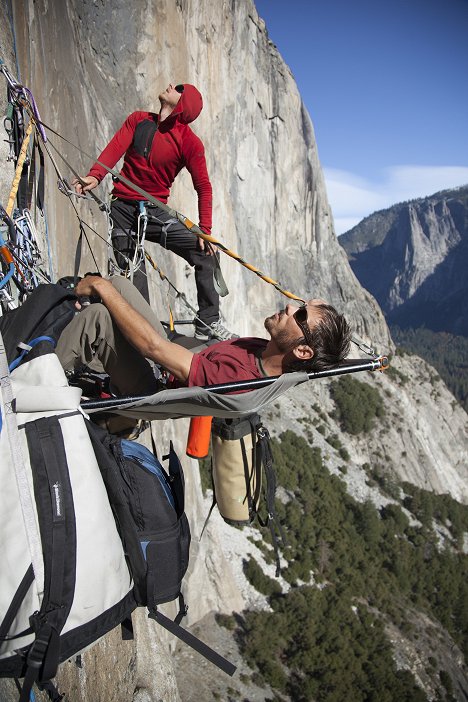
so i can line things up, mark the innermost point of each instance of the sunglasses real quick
(179, 88)
(300, 316)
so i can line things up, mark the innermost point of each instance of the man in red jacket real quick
(155, 148)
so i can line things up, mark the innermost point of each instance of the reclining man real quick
(122, 332)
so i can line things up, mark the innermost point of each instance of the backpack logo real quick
(57, 501)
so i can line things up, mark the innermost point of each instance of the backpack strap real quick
(266, 458)
(253, 499)
(143, 137)
(197, 645)
(15, 604)
(56, 515)
(213, 505)
(26, 348)
(48, 687)
(176, 476)
(52, 692)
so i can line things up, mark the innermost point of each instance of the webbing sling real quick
(188, 638)
(15, 604)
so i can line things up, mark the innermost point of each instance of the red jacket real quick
(174, 146)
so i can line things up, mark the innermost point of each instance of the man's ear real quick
(303, 352)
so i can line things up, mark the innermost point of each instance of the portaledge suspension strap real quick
(188, 638)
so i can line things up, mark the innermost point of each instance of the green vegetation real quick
(204, 466)
(446, 352)
(396, 375)
(427, 506)
(333, 650)
(328, 643)
(261, 582)
(357, 404)
(334, 441)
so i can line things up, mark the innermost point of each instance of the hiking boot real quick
(215, 330)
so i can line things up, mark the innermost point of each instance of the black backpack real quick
(148, 506)
(42, 316)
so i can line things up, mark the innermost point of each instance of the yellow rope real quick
(211, 239)
(19, 168)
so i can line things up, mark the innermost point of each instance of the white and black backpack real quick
(91, 526)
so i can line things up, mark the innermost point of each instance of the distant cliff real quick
(413, 257)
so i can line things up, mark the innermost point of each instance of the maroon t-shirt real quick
(227, 361)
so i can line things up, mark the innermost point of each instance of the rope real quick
(178, 295)
(61, 179)
(22, 97)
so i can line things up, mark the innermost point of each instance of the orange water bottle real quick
(198, 440)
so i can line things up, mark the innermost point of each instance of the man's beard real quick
(281, 338)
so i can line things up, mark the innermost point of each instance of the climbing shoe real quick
(215, 330)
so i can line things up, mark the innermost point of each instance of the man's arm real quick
(112, 153)
(196, 165)
(136, 329)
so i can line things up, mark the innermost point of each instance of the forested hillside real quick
(362, 583)
(413, 258)
(446, 352)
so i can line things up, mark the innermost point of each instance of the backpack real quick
(53, 508)
(76, 505)
(44, 313)
(241, 454)
(148, 506)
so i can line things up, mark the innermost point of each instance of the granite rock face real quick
(413, 258)
(270, 205)
(89, 64)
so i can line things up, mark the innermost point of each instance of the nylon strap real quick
(15, 604)
(188, 638)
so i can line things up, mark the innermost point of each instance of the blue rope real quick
(6, 278)
(14, 364)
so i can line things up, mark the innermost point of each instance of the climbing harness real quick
(137, 245)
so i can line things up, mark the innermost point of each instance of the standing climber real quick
(155, 148)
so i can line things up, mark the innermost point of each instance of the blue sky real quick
(385, 83)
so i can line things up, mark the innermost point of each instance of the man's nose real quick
(290, 309)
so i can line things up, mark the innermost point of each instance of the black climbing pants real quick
(169, 233)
